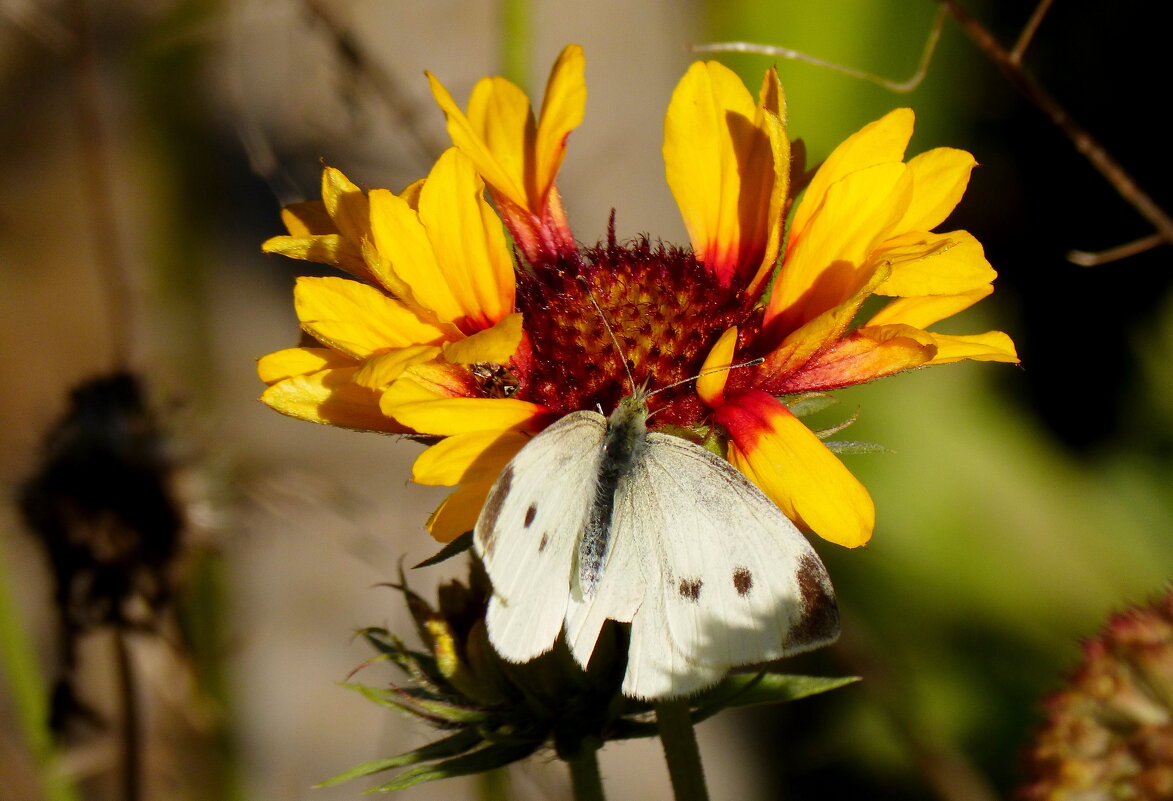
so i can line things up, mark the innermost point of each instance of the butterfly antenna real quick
(610, 333)
(704, 373)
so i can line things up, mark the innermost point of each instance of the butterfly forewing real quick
(528, 529)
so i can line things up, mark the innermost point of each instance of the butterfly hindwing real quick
(729, 579)
(528, 530)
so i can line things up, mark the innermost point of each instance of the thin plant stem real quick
(775, 51)
(516, 22)
(584, 775)
(131, 762)
(681, 751)
(18, 664)
(493, 785)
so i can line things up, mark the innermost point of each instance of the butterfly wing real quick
(528, 530)
(729, 579)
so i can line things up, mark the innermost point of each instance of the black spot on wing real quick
(544, 541)
(742, 580)
(819, 621)
(530, 513)
(487, 523)
(690, 589)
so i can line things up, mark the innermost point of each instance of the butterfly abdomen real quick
(625, 439)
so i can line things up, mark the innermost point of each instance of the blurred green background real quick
(1018, 508)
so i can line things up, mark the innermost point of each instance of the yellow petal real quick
(299, 361)
(865, 355)
(380, 370)
(330, 231)
(563, 107)
(494, 345)
(403, 256)
(992, 346)
(711, 385)
(879, 142)
(476, 456)
(411, 193)
(474, 284)
(793, 467)
(331, 397)
(496, 140)
(939, 178)
(800, 345)
(330, 249)
(829, 263)
(772, 108)
(459, 512)
(432, 380)
(308, 218)
(934, 264)
(449, 416)
(358, 319)
(346, 204)
(921, 312)
(720, 163)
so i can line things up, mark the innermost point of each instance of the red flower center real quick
(665, 309)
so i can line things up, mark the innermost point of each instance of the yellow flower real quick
(442, 337)
(437, 286)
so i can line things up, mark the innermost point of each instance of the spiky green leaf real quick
(454, 548)
(450, 746)
(479, 761)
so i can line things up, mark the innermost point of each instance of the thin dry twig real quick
(1007, 62)
(1028, 31)
(107, 250)
(384, 83)
(1094, 259)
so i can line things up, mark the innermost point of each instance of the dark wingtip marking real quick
(487, 524)
(819, 623)
(690, 589)
(544, 541)
(742, 580)
(530, 513)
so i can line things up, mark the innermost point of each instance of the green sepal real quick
(454, 548)
(417, 703)
(450, 746)
(484, 759)
(810, 403)
(851, 446)
(419, 667)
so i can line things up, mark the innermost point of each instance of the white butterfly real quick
(598, 519)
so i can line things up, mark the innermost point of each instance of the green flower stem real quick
(494, 784)
(584, 775)
(681, 751)
(516, 40)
